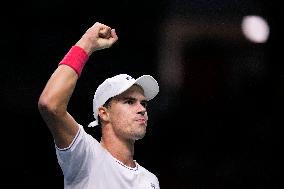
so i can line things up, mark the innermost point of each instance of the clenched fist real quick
(98, 36)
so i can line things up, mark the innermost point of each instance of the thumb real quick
(114, 36)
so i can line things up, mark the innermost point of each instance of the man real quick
(119, 106)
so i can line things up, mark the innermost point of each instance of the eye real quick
(129, 101)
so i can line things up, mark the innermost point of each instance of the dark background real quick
(216, 122)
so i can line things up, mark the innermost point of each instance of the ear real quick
(103, 113)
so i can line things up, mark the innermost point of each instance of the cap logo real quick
(128, 78)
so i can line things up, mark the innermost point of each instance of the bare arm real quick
(54, 98)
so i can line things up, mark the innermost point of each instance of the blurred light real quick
(255, 29)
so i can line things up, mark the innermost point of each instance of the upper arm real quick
(62, 126)
(53, 103)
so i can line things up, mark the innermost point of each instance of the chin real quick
(139, 135)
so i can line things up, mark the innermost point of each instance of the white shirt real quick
(87, 165)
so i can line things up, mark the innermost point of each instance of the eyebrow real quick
(131, 98)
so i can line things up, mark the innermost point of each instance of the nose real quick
(142, 109)
(142, 113)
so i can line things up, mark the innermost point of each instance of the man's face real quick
(128, 114)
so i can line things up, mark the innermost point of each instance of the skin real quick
(123, 121)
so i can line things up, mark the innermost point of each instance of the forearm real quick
(61, 84)
(58, 90)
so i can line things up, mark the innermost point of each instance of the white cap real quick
(118, 84)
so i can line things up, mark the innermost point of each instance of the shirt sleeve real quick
(75, 159)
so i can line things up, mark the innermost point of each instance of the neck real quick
(119, 148)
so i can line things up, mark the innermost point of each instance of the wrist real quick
(86, 44)
(76, 58)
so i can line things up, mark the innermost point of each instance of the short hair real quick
(107, 105)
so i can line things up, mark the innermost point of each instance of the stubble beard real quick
(140, 133)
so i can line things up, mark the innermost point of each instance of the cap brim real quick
(149, 85)
(93, 124)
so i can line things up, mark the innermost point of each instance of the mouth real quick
(142, 121)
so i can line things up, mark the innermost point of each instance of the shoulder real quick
(151, 180)
(81, 139)
(147, 172)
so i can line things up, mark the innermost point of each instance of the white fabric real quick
(118, 84)
(87, 165)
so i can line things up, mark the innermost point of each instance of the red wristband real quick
(76, 59)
